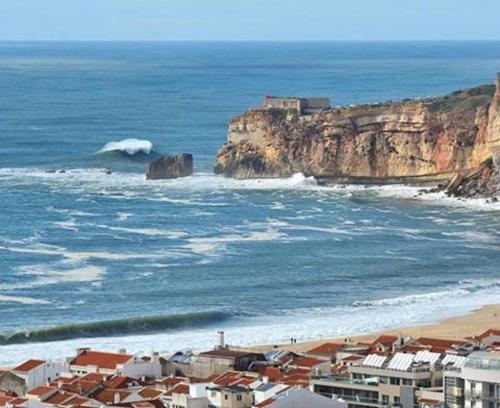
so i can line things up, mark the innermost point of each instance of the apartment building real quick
(476, 384)
(381, 381)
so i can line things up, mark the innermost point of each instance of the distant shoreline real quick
(459, 327)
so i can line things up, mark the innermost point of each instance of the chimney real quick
(221, 339)
(116, 398)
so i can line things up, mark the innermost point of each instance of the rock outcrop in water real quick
(169, 167)
(412, 141)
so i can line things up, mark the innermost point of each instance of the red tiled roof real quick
(19, 401)
(58, 398)
(179, 389)
(384, 340)
(108, 396)
(353, 358)
(76, 401)
(326, 349)
(41, 390)
(171, 381)
(100, 359)
(95, 377)
(4, 399)
(489, 332)
(149, 393)
(306, 362)
(440, 343)
(81, 387)
(120, 381)
(28, 365)
(273, 373)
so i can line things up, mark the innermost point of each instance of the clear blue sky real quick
(249, 19)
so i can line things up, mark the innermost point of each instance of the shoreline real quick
(458, 327)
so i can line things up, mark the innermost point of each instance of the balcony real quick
(353, 399)
(474, 396)
(373, 382)
(455, 391)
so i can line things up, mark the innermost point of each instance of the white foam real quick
(130, 146)
(23, 300)
(153, 232)
(217, 244)
(69, 225)
(302, 324)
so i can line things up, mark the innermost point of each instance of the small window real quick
(225, 397)
(239, 397)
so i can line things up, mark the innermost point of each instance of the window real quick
(239, 397)
(225, 397)
(213, 394)
(394, 381)
(397, 400)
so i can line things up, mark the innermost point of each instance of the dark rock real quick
(170, 167)
(482, 183)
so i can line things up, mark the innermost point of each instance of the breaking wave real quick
(128, 147)
(142, 325)
(463, 288)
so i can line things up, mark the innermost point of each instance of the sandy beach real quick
(459, 327)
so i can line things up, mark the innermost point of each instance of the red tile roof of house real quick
(306, 362)
(18, 402)
(326, 349)
(385, 340)
(100, 359)
(108, 396)
(489, 332)
(95, 377)
(120, 381)
(41, 390)
(171, 381)
(438, 345)
(81, 387)
(353, 358)
(76, 401)
(58, 398)
(28, 365)
(149, 393)
(4, 399)
(179, 389)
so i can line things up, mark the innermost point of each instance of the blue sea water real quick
(113, 260)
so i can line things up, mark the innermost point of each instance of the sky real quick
(236, 20)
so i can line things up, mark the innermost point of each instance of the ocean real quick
(92, 254)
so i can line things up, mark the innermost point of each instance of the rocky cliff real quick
(407, 141)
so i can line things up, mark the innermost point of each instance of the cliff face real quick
(392, 142)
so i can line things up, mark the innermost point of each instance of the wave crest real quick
(129, 146)
(143, 325)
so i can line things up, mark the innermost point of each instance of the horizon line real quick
(246, 40)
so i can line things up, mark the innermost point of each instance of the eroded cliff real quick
(418, 140)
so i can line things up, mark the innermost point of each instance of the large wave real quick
(143, 325)
(129, 146)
